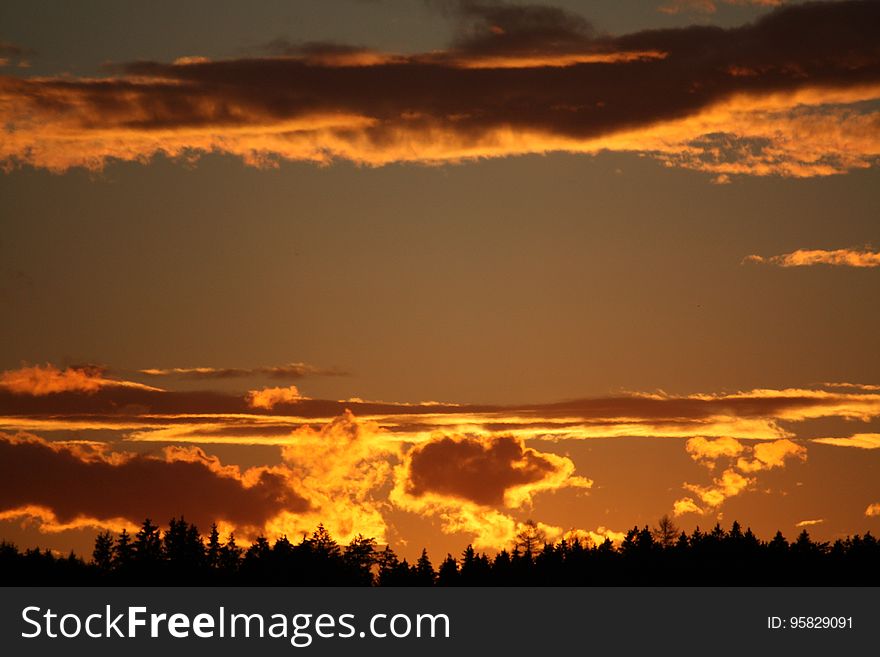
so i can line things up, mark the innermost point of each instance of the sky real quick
(428, 270)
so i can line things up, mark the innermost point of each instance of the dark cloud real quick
(821, 43)
(283, 46)
(481, 471)
(75, 483)
(122, 404)
(14, 55)
(12, 50)
(493, 28)
(377, 108)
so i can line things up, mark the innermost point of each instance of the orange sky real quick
(453, 268)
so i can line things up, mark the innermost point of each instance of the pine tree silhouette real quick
(179, 556)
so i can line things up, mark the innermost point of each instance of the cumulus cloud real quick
(498, 471)
(685, 505)
(66, 485)
(344, 469)
(468, 482)
(766, 456)
(808, 257)
(873, 510)
(729, 484)
(742, 463)
(268, 398)
(708, 450)
(785, 95)
(39, 380)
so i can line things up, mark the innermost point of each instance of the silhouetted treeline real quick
(659, 556)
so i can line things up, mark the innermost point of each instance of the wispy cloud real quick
(82, 401)
(710, 6)
(852, 386)
(810, 523)
(860, 440)
(809, 257)
(516, 80)
(289, 371)
(39, 380)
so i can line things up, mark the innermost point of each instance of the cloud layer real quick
(788, 95)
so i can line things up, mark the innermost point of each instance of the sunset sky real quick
(427, 270)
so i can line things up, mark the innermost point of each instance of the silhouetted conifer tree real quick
(212, 553)
(424, 571)
(102, 555)
(447, 574)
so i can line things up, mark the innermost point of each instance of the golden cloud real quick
(343, 469)
(735, 478)
(810, 257)
(766, 456)
(268, 398)
(860, 440)
(332, 475)
(39, 380)
(704, 449)
(462, 480)
(729, 484)
(686, 505)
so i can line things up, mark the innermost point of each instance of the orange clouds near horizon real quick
(515, 81)
(476, 470)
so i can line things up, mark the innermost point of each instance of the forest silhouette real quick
(662, 555)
